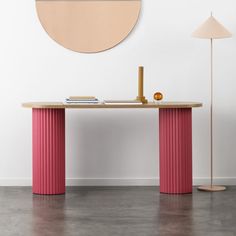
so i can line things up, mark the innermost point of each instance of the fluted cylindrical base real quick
(175, 127)
(48, 151)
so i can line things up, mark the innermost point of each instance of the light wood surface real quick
(58, 105)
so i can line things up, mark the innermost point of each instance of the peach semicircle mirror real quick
(88, 26)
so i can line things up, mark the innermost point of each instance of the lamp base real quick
(211, 188)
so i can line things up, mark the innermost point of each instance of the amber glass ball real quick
(158, 96)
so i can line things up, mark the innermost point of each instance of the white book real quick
(81, 102)
(122, 102)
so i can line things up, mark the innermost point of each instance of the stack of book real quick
(82, 100)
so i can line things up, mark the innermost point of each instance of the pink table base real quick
(175, 131)
(48, 151)
(175, 135)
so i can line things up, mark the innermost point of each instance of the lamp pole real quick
(211, 125)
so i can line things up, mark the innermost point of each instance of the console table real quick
(175, 135)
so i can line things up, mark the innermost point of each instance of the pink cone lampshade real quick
(211, 29)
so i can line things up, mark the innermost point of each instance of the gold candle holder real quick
(140, 96)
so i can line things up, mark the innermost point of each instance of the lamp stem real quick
(211, 125)
(211, 188)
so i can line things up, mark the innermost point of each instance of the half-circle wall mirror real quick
(88, 25)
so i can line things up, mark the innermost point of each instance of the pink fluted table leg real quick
(175, 127)
(48, 151)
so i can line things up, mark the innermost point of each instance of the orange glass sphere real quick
(158, 96)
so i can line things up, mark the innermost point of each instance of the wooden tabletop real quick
(61, 105)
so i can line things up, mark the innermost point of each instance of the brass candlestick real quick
(140, 96)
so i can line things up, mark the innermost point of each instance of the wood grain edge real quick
(58, 105)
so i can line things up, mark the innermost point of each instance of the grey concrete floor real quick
(117, 211)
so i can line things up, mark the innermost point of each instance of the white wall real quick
(118, 146)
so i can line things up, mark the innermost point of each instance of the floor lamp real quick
(211, 29)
